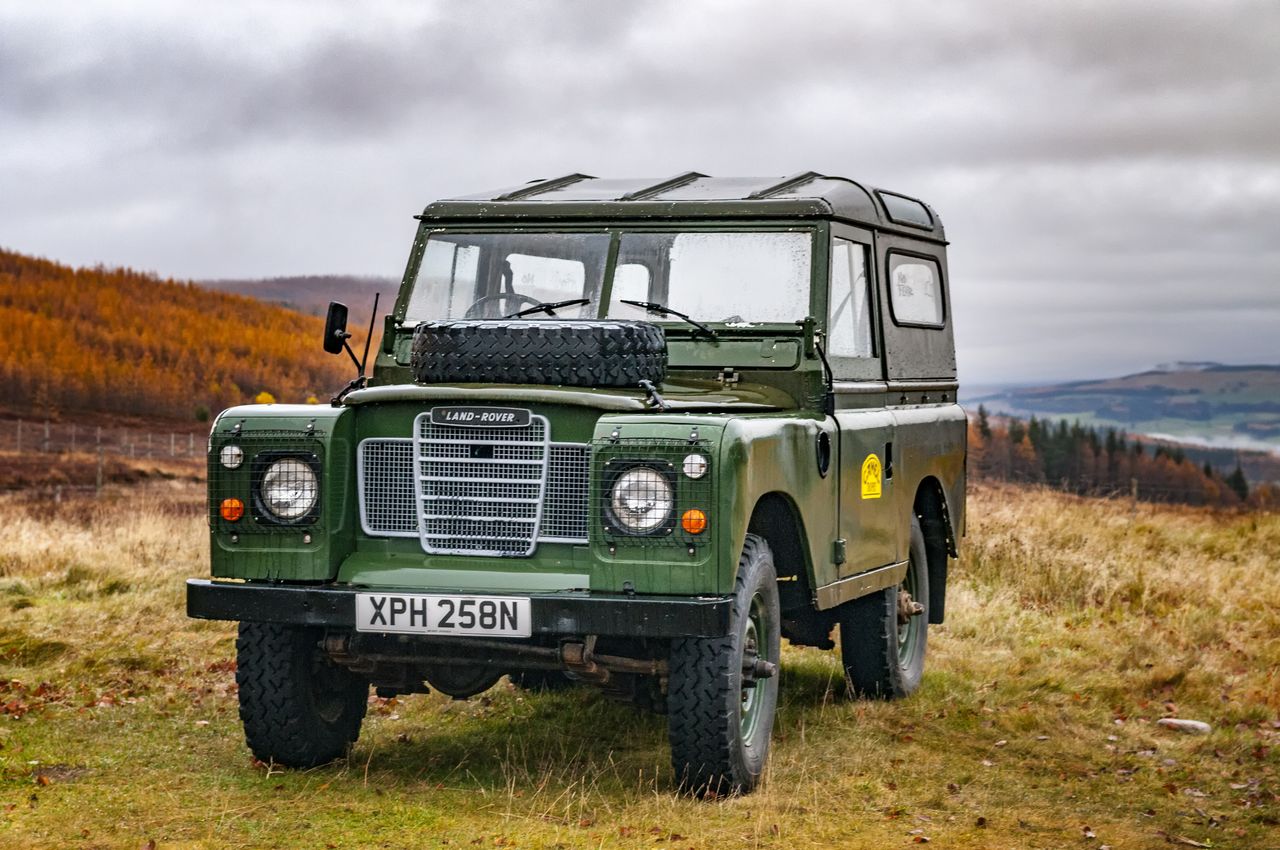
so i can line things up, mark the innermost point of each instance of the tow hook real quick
(907, 608)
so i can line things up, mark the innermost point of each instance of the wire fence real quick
(53, 460)
(24, 436)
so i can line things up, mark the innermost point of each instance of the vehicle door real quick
(854, 349)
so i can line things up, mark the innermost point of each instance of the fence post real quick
(46, 437)
(73, 438)
(191, 444)
(19, 436)
(97, 489)
(1133, 489)
(173, 445)
(148, 444)
(98, 439)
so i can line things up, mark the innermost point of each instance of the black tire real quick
(881, 660)
(299, 709)
(461, 682)
(564, 352)
(711, 751)
(541, 681)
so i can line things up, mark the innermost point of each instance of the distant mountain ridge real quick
(311, 294)
(1210, 403)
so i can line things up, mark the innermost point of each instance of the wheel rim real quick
(755, 644)
(909, 632)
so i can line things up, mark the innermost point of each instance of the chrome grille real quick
(385, 471)
(564, 517)
(502, 473)
(387, 501)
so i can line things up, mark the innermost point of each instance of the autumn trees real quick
(1084, 460)
(116, 340)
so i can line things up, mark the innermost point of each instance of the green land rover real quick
(627, 433)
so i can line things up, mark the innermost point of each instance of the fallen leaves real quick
(23, 699)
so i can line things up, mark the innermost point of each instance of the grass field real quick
(1073, 625)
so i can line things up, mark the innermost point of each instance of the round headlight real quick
(289, 489)
(641, 500)
(231, 456)
(694, 466)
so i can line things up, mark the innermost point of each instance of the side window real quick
(849, 322)
(915, 291)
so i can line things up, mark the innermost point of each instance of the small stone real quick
(1194, 727)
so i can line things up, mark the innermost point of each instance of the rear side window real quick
(915, 291)
(905, 210)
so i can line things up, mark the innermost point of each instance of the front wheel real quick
(883, 635)
(723, 691)
(299, 708)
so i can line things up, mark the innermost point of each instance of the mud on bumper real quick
(615, 615)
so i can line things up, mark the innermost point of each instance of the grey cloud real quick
(1100, 166)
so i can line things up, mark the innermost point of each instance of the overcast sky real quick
(1109, 173)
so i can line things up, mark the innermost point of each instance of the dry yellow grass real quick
(1073, 625)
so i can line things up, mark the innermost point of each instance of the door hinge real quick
(838, 554)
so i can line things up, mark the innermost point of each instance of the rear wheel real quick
(462, 682)
(299, 708)
(723, 691)
(883, 635)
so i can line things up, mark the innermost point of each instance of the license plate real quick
(413, 614)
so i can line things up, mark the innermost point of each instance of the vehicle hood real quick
(680, 395)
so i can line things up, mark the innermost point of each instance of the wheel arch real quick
(930, 507)
(777, 519)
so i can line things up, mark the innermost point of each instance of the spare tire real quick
(567, 352)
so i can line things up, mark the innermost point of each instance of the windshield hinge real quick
(729, 376)
(655, 398)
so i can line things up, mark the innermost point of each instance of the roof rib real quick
(662, 186)
(540, 186)
(787, 183)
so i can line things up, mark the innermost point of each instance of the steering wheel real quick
(473, 312)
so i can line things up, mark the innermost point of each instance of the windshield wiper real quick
(654, 307)
(549, 309)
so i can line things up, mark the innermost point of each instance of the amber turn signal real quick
(231, 509)
(694, 521)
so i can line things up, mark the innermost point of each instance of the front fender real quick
(771, 454)
(255, 548)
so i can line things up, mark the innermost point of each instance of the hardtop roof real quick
(695, 195)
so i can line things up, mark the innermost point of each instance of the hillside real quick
(312, 293)
(1228, 406)
(125, 342)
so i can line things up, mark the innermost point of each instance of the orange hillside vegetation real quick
(117, 340)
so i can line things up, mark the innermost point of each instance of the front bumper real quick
(571, 614)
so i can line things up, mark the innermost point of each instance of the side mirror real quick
(335, 328)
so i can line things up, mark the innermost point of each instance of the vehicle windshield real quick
(727, 277)
(491, 275)
(714, 277)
